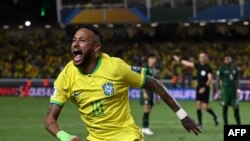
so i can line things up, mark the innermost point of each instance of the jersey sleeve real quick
(209, 69)
(61, 89)
(196, 65)
(219, 72)
(132, 75)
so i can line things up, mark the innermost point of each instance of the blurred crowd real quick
(43, 53)
(32, 54)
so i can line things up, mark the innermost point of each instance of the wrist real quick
(64, 136)
(181, 114)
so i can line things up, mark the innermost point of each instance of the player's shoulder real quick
(111, 59)
(235, 66)
(208, 66)
(197, 65)
(69, 67)
(220, 68)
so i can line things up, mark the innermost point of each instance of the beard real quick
(82, 59)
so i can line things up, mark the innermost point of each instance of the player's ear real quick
(97, 47)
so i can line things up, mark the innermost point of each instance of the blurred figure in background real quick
(205, 79)
(147, 96)
(228, 88)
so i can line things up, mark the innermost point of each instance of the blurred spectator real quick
(42, 53)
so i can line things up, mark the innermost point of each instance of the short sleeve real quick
(218, 72)
(196, 65)
(209, 69)
(61, 90)
(132, 75)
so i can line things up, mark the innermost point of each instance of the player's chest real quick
(94, 87)
(152, 72)
(229, 71)
(203, 72)
(229, 74)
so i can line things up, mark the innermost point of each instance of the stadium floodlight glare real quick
(110, 25)
(154, 24)
(235, 20)
(96, 25)
(221, 20)
(229, 23)
(246, 23)
(27, 23)
(138, 25)
(20, 26)
(203, 23)
(186, 24)
(6, 27)
(47, 26)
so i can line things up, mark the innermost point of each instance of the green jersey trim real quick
(56, 102)
(145, 77)
(96, 67)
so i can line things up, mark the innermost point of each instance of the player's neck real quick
(203, 63)
(89, 68)
(150, 65)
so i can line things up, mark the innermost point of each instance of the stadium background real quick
(35, 39)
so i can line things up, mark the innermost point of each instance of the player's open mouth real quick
(77, 55)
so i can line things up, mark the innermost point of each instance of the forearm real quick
(209, 80)
(53, 128)
(187, 63)
(217, 83)
(145, 94)
(208, 83)
(163, 92)
(184, 62)
(51, 125)
(168, 99)
(50, 121)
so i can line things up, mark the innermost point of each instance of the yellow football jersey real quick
(102, 97)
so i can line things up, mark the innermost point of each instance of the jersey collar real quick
(96, 67)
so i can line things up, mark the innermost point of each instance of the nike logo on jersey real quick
(76, 94)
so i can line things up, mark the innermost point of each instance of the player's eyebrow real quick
(81, 37)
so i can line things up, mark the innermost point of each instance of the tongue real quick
(77, 58)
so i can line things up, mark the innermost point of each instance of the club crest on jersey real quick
(108, 88)
(136, 69)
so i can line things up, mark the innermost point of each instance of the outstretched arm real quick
(187, 122)
(218, 81)
(210, 79)
(50, 123)
(184, 62)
